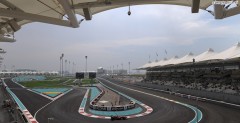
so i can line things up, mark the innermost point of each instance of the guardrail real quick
(25, 113)
(94, 106)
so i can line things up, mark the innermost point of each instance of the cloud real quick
(113, 37)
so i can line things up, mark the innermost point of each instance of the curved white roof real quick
(185, 59)
(15, 13)
(231, 52)
(205, 55)
(171, 61)
(145, 65)
(160, 63)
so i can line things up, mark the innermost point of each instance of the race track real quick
(65, 109)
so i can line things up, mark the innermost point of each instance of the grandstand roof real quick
(185, 59)
(209, 55)
(229, 53)
(205, 55)
(171, 61)
(15, 13)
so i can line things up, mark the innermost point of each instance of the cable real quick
(52, 9)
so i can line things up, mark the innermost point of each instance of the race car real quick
(118, 118)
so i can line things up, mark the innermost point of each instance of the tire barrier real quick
(94, 106)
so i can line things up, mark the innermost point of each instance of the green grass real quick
(52, 77)
(88, 81)
(55, 83)
(69, 82)
(43, 84)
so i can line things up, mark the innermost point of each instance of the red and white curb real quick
(82, 111)
(29, 117)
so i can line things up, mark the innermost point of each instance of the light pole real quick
(73, 68)
(113, 69)
(50, 118)
(62, 64)
(117, 70)
(122, 68)
(65, 67)
(110, 70)
(69, 68)
(86, 64)
(129, 68)
(122, 71)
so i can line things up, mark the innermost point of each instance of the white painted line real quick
(40, 94)
(62, 94)
(160, 97)
(217, 101)
(45, 106)
(17, 83)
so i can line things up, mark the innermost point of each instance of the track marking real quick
(41, 94)
(21, 106)
(35, 115)
(196, 110)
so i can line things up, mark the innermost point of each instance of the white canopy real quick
(14, 13)
(229, 53)
(205, 55)
(171, 61)
(145, 65)
(185, 59)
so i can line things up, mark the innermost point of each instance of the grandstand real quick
(211, 71)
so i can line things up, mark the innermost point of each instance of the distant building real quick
(101, 70)
(26, 72)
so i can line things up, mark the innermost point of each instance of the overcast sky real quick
(112, 37)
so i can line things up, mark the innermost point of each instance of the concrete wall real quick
(205, 94)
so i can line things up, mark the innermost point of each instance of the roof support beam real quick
(232, 11)
(87, 13)
(33, 17)
(111, 3)
(6, 39)
(218, 11)
(71, 16)
(10, 5)
(195, 6)
(13, 24)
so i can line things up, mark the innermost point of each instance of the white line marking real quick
(217, 101)
(155, 96)
(46, 106)
(40, 94)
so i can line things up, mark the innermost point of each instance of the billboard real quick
(80, 75)
(92, 75)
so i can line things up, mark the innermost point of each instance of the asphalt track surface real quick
(212, 113)
(30, 100)
(65, 109)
